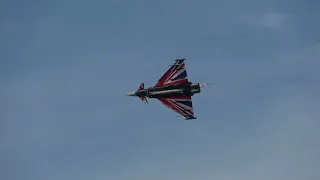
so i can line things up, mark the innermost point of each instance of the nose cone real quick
(131, 94)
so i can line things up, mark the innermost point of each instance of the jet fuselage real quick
(181, 89)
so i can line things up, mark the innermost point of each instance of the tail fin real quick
(143, 98)
(203, 85)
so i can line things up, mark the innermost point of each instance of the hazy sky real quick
(66, 66)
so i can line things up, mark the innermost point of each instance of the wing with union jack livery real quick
(177, 73)
(181, 105)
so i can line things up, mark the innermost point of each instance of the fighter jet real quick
(173, 89)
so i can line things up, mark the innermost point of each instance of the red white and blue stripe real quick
(177, 73)
(181, 105)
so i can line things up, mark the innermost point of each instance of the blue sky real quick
(67, 65)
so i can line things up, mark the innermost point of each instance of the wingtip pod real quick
(178, 62)
(180, 59)
(191, 118)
